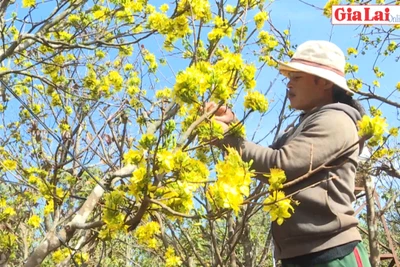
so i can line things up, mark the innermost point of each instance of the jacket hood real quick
(352, 112)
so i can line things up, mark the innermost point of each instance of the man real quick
(322, 232)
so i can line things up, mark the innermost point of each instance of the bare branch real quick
(380, 98)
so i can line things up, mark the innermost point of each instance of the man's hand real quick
(223, 114)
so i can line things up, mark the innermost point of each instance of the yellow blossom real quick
(164, 93)
(133, 156)
(278, 207)
(376, 83)
(268, 40)
(170, 259)
(59, 255)
(372, 128)
(398, 86)
(260, 18)
(9, 165)
(233, 181)
(276, 178)
(198, 9)
(164, 8)
(230, 9)
(394, 131)
(328, 7)
(145, 234)
(256, 101)
(9, 211)
(34, 221)
(354, 84)
(115, 79)
(28, 3)
(352, 51)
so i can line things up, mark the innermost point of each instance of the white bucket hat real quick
(320, 58)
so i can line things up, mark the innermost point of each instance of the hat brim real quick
(331, 76)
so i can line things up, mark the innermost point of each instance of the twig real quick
(173, 212)
(389, 204)
(292, 194)
(380, 98)
(96, 224)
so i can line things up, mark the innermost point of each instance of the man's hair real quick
(340, 96)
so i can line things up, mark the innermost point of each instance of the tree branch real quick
(380, 98)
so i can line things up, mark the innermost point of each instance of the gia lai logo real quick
(366, 14)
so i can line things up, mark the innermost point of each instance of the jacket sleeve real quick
(325, 135)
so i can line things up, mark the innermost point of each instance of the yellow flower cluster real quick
(159, 21)
(115, 80)
(188, 175)
(378, 73)
(328, 7)
(237, 129)
(248, 76)
(28, 3)
(218, 79)
(233, 182)
(138, 182)
(348, 68)
(260, 18)
(147, 140)
(170, 259)
(178, 195)
(112, 216)
(9, 165)
(256, 101)
(192, 82)
(164, 93)
(210, 130)
(5, 211)
(145, 234)
(135, 6)
(197, 9)
(230, 9)
(354, 84)
(372, 128)
(60, 254)
(221, 29)
(394, 131)
(133, 157)
(278, 206)
(268, 40)
(276, 178)
(383, 152)
(7, 240)
(392, 46)
(352, 51)
(34, 221)
(171, 28)
(150, 60)
(250, 3)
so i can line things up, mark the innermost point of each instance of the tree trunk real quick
(248, 247)
(372, 221)
(55, 240)
(231, 232)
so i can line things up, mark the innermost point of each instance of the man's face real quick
(305, 91)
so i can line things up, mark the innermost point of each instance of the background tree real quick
(105, 143)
